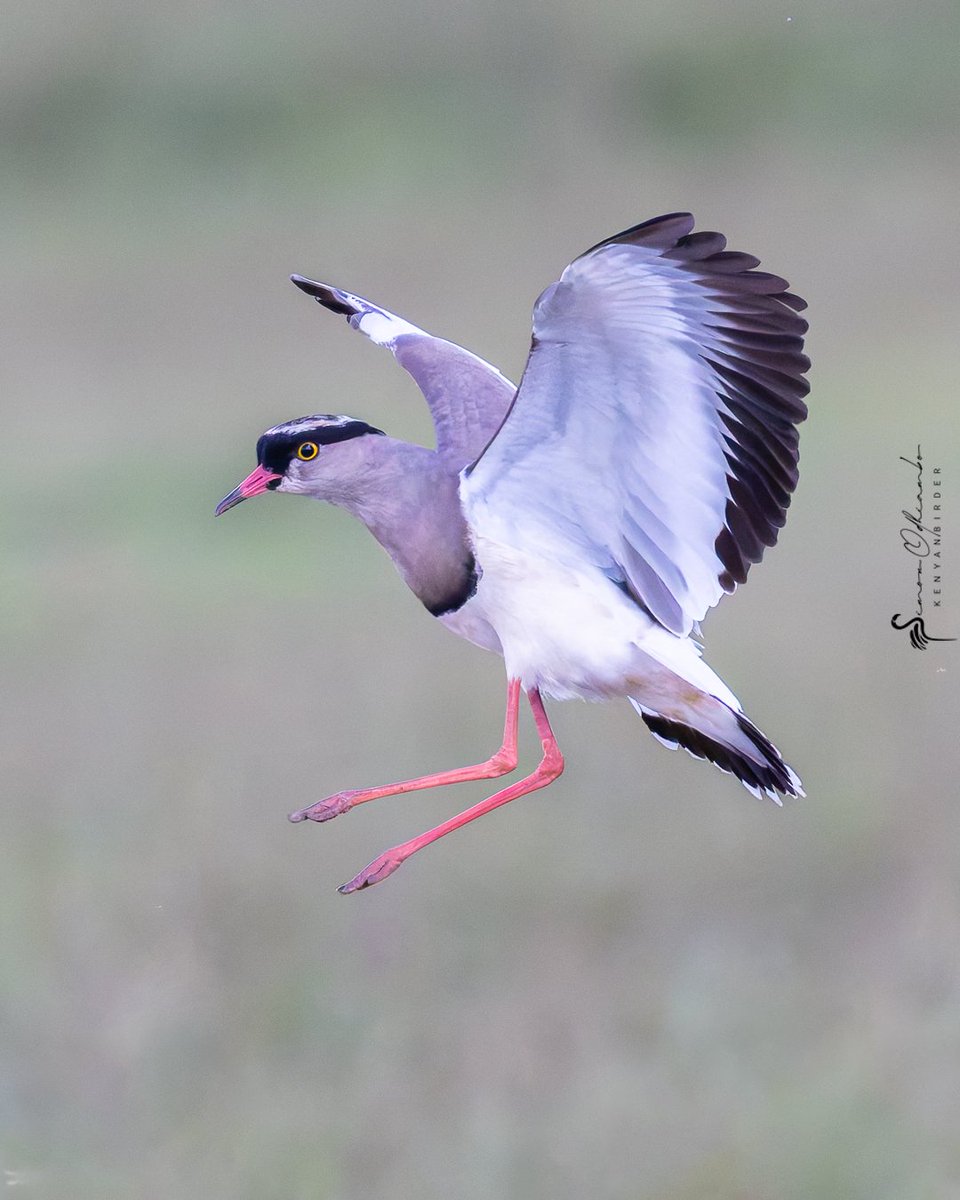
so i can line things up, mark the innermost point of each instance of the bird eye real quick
(307, 450)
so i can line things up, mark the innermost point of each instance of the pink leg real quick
(551, 765)
(501, 763)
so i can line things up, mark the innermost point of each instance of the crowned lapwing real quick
(582, 524)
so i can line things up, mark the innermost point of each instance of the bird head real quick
(310, 455)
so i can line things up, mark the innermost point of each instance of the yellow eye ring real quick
(307, 450)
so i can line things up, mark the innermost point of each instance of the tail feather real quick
(734, 744)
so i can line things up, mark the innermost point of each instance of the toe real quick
(326, 809)
(376, 872)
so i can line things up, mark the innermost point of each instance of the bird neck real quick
(411, 505)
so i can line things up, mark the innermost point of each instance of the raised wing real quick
(654, 430)
(467, 397)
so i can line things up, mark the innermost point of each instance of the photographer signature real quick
(917, 539)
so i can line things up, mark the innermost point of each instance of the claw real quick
(376, 872)
(326, 809)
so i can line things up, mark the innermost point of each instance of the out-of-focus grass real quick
(640, 983)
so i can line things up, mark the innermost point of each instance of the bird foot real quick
(326, 809)
(376, 872)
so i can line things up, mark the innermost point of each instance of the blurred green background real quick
(640, 983)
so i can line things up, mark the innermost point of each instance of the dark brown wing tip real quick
(310, 286)
(659, 232)
(733, 271)
(324, 294)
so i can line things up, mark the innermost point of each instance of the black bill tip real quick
(229, 501)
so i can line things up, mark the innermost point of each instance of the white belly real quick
(567, 631)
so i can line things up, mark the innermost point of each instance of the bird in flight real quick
(581, 524)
